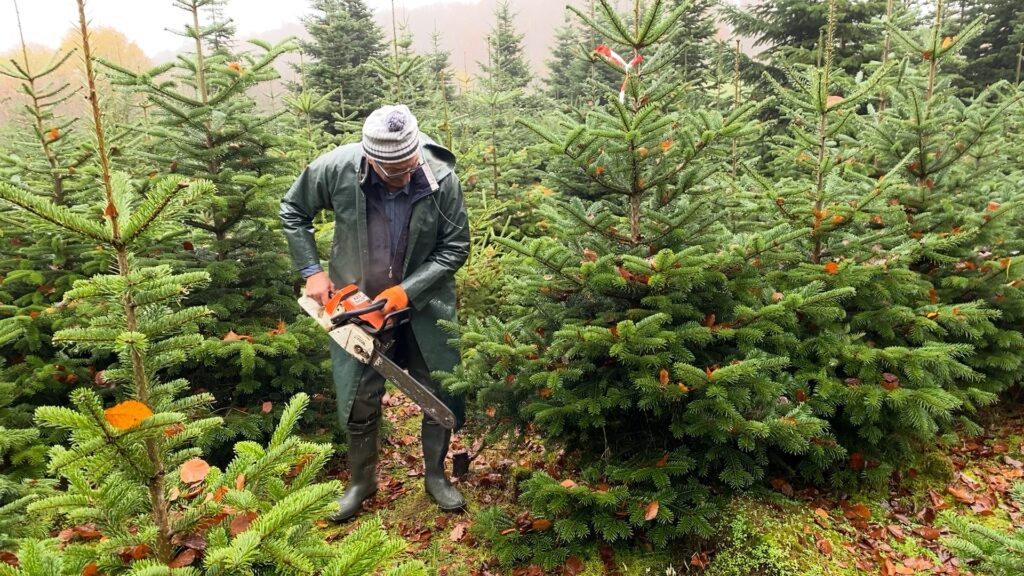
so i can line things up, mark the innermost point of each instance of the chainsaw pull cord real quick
(441, 212)
(434, 186)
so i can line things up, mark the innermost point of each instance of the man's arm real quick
(304, 200)
(452, 247)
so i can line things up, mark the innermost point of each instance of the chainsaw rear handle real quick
(396, 318)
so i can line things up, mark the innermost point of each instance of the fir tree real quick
(996, 52)
(577, 76)
(50, 133)
(444, 101)
(792, 29)
(138, 498)
(961, 207)
(47, 159)
(566, 74)
(694, 39)
(493, 162)
(496, 173)
(639, 338)
(302, 131)
(884, 374)
(220, 33)
(345, 38)
(439, 63)
(405, 74)
(493, 174)
(506, 66)
(206, 126)
(118, 329)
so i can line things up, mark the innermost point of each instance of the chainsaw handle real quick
(392, 320)
(346, 317)
(395, 319)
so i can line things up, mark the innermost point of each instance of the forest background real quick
(727, 313)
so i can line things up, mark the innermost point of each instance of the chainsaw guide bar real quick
(358, 335)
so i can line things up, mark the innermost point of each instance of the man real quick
(400, 234)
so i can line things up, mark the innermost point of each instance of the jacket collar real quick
(423, 182)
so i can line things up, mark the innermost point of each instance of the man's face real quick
(397, 175)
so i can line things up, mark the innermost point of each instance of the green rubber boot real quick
(435, 449)
(362, 464)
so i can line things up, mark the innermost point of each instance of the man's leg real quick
(434, 437)
(363, 433)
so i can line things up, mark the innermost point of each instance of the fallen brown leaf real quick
(186, 558)
(540, 524)
(241, 523)
(194, 470)
(961, 494)
(859, 511)
(652, 511)
(824, 546)
(780, 485)
(458, 533)
(573, 566)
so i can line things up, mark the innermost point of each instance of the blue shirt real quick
(396, 207)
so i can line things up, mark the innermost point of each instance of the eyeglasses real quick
(394, 175)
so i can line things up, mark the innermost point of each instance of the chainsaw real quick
(361, 329)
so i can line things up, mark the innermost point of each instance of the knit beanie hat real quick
(391, 134)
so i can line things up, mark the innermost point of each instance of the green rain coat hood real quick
(438, 245)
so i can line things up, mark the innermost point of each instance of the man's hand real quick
(319, 287)
(396, 297)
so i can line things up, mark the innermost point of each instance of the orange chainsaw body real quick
(351, 298)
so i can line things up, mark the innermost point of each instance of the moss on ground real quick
(774, 536)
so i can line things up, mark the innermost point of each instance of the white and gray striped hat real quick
(391, 134)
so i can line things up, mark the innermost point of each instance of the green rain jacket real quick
(438, 245)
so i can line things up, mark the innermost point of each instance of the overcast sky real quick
(145, 21)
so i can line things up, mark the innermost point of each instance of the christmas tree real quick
(206, 126)
(882, 373)
(640, 339)
(48, 159)
(345, 38)
(792, 30)
(996, 52)
(138, 497)
(577, 75)
(506, 63)
(962, 204)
